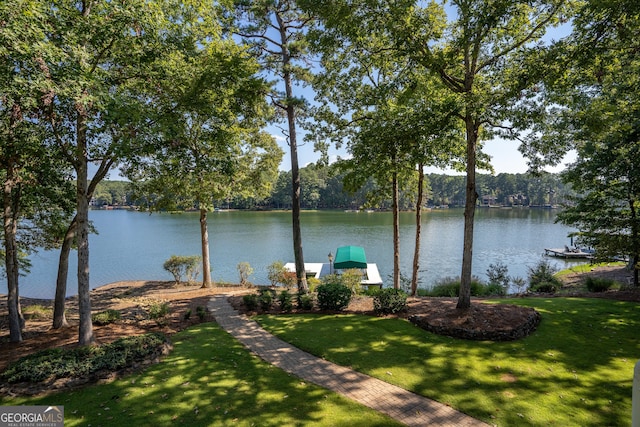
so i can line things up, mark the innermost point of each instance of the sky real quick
(505, 156)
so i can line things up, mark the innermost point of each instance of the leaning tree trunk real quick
(85, 330)
(416, 252)
(396, 231)
(206, 262)
(464, 299)
(59, 318)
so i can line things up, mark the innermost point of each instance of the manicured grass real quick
(208, 380)
(575, 370)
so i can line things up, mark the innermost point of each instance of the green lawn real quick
(208, 380)
(575, 370)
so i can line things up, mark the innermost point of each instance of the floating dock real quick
(566, 252)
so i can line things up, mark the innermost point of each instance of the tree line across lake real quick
(322, 187)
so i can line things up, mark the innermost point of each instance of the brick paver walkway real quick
(406, 407)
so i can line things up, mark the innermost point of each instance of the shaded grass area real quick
(575, 370)
(208, 380)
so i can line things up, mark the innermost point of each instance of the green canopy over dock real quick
(350, 257)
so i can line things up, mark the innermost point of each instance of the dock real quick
(370, 277)
(575, 253)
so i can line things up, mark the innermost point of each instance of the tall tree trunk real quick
(396, 230)
(301, 276)
(416, 252)
(59, 317)
(635, 239)
(464, 299)
(206, 262)
(10, 228)
(85, 330)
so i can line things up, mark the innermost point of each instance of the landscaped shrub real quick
(159, 311)
(245, 270)
(285, 299)
(105, 317)
(333, 296)
(265, 298)
(179, 266)
(277, 274)
(305, 301)
(390, 301)
(250, 301)
(599, 284)
(201, 312)
(352, 279)
(312, 283)
(498, 279)
(450, 287)
(84, 361)
(542, 279)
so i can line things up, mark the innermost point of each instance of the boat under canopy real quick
(350, 257)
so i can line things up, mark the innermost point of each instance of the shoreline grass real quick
(209, 379)
(575, 370)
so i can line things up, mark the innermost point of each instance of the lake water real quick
(134, 245)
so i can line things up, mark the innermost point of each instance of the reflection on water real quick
(134, 245)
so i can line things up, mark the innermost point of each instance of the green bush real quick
(183, 265)
(84, 361)
(333, 296)
(313, 283)
(498, 279)
(277, 274)
(265, 298)
(390, 301)
(158, 311)
(599, 284)
(450, 287)
(492, 289)
(305, 301)
(105, 317)
(285, 299)
(250, 301)
(187, 314)
(352, 279)
(245, 270)
(201, 312)
(542, 278)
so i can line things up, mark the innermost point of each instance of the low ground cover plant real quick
(105, 317)
(81, 362)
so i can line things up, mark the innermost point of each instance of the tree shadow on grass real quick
(209, 379)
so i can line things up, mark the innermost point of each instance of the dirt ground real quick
(133, 298)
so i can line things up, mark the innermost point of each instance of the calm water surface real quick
(134, 245)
